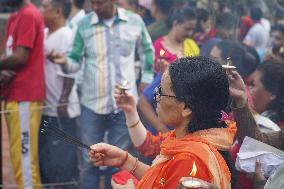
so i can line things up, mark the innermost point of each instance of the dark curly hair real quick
(273, 81)
(203, 86)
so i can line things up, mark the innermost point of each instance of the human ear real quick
(272, 97)
(186, 112)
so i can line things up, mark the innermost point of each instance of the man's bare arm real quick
(16, 60)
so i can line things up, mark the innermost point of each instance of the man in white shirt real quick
(258, 35)
(58, 160)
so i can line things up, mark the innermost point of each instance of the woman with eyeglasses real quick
(192, 94)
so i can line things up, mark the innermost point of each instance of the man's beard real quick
(13, 3)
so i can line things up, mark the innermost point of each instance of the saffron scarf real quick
(204, 144)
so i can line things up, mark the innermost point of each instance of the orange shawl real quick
(203, 144)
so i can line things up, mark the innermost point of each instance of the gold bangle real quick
(135, 166)
(134, 125)
(234, 107)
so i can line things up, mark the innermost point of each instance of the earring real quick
(272, 97)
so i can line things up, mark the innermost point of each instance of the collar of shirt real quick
(121, 16)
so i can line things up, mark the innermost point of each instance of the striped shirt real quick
(109, 52)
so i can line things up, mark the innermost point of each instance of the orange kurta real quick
(177, 157)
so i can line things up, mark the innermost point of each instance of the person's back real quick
(258, 35)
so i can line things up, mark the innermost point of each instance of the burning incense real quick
(61, 135)
(229, 66)
(124, 86)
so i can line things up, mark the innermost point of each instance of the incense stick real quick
(63, 135)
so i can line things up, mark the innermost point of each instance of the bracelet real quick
(124, 160)
(134, 125)
(232, 105)
(135, 166)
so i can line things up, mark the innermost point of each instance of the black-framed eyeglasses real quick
(158, 94)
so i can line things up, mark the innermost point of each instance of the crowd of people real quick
(148, 85)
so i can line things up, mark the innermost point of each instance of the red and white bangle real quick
(135, 166)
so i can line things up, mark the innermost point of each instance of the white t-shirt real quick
(258, 37)
(58, 41)
(266, 23)
(109, 22)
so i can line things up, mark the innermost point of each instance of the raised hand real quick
(237, 88)
(162, 64)
(258, 176)
(124, 100)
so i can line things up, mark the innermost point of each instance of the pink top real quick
(168, 56)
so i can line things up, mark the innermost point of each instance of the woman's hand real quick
(204, 183)
(103, 154)
(124, 100)
(237, 88)
(129, 185)
(258, 177)
(162, 65)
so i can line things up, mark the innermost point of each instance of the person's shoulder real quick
(191, 42)
(185, 157)
(65, 32)
(256, 27)
(158, 25)
(158, 41)
(86, 20)
(129, 15)
(12, 17)
(30, 10)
